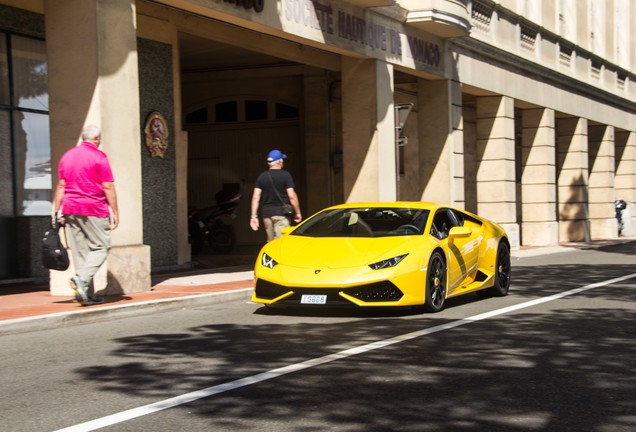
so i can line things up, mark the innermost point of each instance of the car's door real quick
(468, 246)
(462, 252)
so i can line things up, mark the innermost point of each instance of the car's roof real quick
(389, 204)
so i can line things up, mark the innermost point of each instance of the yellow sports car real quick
(383, 254)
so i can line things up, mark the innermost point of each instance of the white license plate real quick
(313, 299)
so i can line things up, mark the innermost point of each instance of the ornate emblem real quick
(157, 133)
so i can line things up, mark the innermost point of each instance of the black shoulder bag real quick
(288, 210)
(54, 254)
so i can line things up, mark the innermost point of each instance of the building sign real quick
(156, 133)
(256, 5)
(368, 31)
(345, 26)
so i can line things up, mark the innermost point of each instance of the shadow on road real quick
(569, 370)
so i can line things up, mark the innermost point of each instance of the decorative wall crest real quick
(157, 134)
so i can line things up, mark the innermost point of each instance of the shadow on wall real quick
(573, 213)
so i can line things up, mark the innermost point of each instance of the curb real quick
(545, 250)
(68, 319)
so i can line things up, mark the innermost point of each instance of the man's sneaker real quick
(93, 300)
(78, 289)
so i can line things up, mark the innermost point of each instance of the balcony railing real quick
(444, 18)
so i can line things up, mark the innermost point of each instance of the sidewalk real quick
(214, 278)
(27, 307)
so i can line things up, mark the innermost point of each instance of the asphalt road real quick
(557, 354)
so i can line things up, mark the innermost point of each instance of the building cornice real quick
(527, 68)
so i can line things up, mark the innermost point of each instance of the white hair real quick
(90, 132)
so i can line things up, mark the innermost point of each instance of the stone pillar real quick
(496, 195)
(441, 141)
(368, 124)
(318, 149)
(93, 79)
(572, 179)
(538, 180)
(625, 180)
(603, 224)
(469, 127)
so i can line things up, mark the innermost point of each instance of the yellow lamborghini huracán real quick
(383, 254)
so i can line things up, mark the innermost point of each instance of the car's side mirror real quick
(286, 230)
(459, 232)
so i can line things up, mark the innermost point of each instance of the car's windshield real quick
(365, 222)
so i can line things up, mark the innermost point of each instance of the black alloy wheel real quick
(502, 270)
(435, 294)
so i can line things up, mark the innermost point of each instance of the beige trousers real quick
(274, 225)
(89, 239)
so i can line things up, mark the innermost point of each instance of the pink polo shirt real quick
(84, 168)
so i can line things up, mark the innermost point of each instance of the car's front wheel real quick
(435, 294)
(502, 270)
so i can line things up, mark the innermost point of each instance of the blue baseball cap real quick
(275, 155)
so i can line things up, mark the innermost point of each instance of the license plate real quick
(313, 299)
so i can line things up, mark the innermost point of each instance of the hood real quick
(338, 252)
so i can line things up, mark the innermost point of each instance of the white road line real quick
(275, 373)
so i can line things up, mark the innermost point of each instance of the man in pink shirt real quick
(84, 193)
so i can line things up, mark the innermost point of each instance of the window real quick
(4, 71)
(255, 110)
(284, 111)
(444, 220)
(240, 110)
(197, 117)
(226, 112)
(24, 120)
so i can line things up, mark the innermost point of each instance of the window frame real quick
(15, 205)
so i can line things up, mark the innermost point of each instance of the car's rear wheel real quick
(502, 270)
(435, 294)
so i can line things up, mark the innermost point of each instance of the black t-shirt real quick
(270, 204)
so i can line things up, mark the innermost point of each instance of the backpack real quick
(54, 254)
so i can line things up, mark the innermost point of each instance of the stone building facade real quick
(522, 111)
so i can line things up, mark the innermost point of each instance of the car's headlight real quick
(387, 262)
(268, 261)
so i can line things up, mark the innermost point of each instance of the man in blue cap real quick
(274, 194)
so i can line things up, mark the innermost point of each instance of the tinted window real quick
(226, 112)
(365, 222)
(197, 117)
(284, 111)
(255, 110)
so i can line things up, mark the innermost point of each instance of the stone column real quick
(441, 141)
(317, 142)
(496, 195)
(93, 79)
(603, 224)
(538, 180)
(572, 179)
(469, 129)
(368, 124)
(625, 180)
